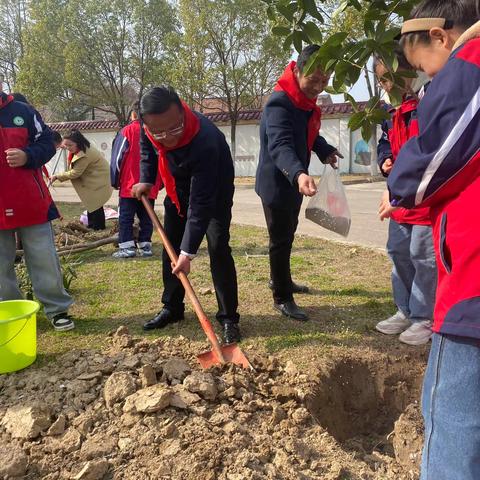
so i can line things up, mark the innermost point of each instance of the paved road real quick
(366, 229)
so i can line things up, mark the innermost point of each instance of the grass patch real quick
(350, 293)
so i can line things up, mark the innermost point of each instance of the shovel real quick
(219, 355)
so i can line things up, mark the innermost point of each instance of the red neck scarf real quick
(402, 129)
(288, 83)
(191, 126)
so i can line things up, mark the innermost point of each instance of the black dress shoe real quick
(296, 288)
(162, 319)
(231, 333)
(291, 310)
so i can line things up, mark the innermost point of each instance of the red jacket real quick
(396, 132)
(441, 169)
(125, 161)
(24, 197)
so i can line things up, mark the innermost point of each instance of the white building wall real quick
(334, 130)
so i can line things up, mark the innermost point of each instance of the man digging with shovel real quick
(196, 167)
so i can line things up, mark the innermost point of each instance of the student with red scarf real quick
(194, 162)
(289, 132)
(410, 243)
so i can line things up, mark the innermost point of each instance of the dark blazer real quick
(284, 152)
(204, 175)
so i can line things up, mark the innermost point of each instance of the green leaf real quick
(352, 101)
(313, 32)
(336, 39)
(311, 7)
(367, 130)
(298, 41)
(281, 31)
(356, 120)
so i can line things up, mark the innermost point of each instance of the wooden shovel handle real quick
(204, 321)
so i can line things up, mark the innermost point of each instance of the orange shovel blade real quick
(231, 353)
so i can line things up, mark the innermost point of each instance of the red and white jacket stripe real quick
(441, 168)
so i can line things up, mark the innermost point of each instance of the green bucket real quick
(18, 334)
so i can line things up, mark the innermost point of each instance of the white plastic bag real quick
(329, 207)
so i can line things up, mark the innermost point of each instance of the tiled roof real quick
(245, 116)
(86, 125)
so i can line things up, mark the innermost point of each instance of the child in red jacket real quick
(441, 168)
(410, 243)
(125, 173)
(27, 209)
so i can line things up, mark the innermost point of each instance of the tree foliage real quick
(96, 53)
(300, 22)
(234, 57)
(13, 19)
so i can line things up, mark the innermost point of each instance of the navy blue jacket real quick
(204, 175)
(284, 152)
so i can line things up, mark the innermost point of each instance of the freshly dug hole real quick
(364, 397)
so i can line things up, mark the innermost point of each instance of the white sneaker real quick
(394, 325)
(418, 334)
(125, 253)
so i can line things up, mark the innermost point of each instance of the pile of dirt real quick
(144, 410)
(75, 233)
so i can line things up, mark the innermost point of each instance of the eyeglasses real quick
(174, 132)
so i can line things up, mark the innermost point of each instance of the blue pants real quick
(414, 274)
(128, 208)
(450, 405)
(42, 265)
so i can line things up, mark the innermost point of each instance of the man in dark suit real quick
(289, 132)
(191, 155)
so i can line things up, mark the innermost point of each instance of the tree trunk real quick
(233, 139)
(369, 82)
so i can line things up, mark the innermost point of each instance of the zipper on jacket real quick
(42, 193)
(443, 244)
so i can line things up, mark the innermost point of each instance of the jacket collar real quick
(470, 34)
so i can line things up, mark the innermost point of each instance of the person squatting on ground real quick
(89, 173)
(441, 169)
(26, 208)
(410, 243)
(289, 132)
(195, 164)
(124, 174)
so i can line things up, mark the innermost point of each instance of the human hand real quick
(306, 185)
(16, 157)
(387, 166)
(332, 159)
(140, 189)
(182, 265)
(386, 209)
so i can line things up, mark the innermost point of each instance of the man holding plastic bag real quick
(289, 132)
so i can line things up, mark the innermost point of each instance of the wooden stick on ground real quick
(81, 247)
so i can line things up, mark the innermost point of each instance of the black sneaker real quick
(231, 333)
(62, 322)
(163, 318)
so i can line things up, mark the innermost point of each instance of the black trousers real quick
(96, 219)
(222, 265)
(281, 224)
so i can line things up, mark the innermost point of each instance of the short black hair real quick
(57, 138)
(305, 55)
(461, 13)
(76, 137)
(20, 97)
(402, 60)
(159, 100)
